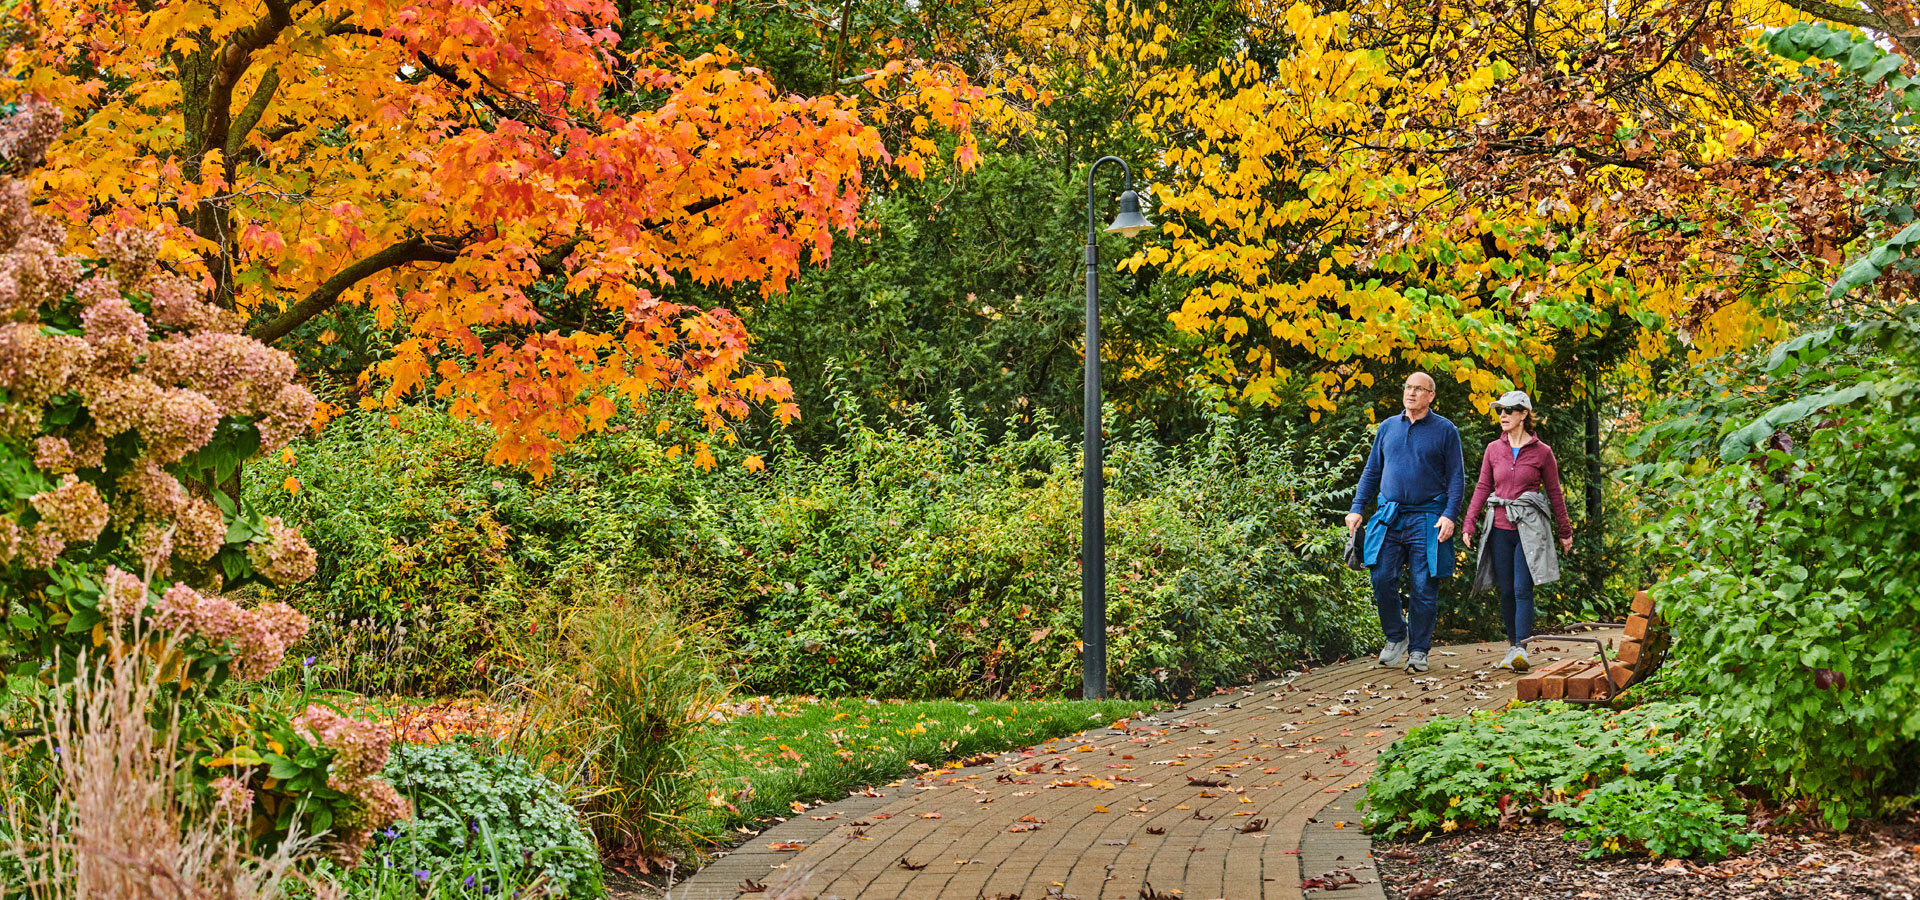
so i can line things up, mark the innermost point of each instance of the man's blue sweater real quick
(1414, 462)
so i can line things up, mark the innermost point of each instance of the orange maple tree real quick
(501, 183)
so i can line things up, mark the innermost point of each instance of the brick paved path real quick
(1111, 811)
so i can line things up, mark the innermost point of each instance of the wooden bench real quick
(1641, 647)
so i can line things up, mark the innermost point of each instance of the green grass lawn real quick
(784, 751)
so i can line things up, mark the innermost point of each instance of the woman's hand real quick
(1466, 537)
(1566, 544)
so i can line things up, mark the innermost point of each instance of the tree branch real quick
(412, 250)
(232, 62)
(1851, 15)
(250, 116)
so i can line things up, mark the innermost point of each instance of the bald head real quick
(1417, 395)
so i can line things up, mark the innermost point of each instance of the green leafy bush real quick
(437, 567)
(919, 560)
(486, 822)
(1635, 815)
(1795, 593)
(1469, 772)
(928, 561)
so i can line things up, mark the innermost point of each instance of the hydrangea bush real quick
(125, 398)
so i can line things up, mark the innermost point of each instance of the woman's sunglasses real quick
(1503, 410)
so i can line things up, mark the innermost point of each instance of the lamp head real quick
(1129, 222)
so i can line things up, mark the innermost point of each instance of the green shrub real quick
(488, 817)
(1634, 815)
(1465, 772)
(926, 561)
(919, 560)
(434, 563)
(1795, 593)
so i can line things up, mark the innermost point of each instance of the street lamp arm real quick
(1092, 228)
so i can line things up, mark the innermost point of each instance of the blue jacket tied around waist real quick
(1439, 564)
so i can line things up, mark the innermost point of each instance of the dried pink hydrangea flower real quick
(360, 748)
(122, 595)
(285, 557)
(117, 334)
(10, 537)
(199, 531)
(42, 546)
(153, 544)
(231, 797)
(129, 252)
(74, 510)
(146, 491)
(258, 639)
(287, 416)
(26, 135)
(51, 454)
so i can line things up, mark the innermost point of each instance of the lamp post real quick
(1093, 485)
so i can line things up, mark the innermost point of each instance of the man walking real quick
(1417, 473)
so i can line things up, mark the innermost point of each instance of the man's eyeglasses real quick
(1503, 410)
(1415, 387)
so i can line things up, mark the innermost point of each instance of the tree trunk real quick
(1596, 513)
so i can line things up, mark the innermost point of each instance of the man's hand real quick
(1566, 544)
(1353, 521)
(1446, 528)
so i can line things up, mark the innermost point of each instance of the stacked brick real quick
(1587, 679)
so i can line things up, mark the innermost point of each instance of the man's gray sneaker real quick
(1394, 653)
(1417, 662)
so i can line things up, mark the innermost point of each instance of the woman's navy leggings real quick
(1510, 575)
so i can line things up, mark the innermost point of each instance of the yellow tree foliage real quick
(1387, 186)
(497, 179)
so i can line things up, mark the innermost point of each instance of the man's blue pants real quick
(1406, 547)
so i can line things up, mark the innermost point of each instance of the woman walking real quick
(1519, 487)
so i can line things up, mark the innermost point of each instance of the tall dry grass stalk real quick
(119, 823)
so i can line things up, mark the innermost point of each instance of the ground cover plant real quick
(1637, 780)
(485, 823)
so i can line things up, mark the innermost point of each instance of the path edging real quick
(1333, 843)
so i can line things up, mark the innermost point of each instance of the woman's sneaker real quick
(1416, 662)
(1516, 659)
(1395, 652)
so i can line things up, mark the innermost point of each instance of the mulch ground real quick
(1537, 863)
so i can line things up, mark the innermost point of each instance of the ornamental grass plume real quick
(113, 822)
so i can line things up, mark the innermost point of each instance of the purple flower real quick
(469, 881)
(309, 662)
(420, 874)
